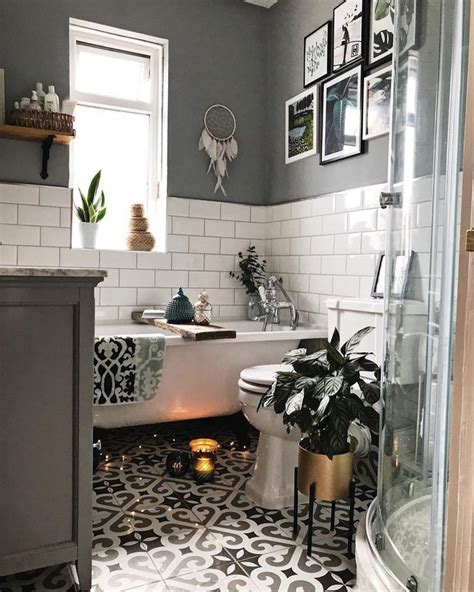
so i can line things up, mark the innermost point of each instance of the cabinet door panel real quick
(37, 429)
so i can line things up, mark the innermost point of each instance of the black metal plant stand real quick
(312, 501)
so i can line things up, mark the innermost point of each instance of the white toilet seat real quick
(253, 389)
(260, 375)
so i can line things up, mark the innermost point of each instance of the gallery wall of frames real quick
(347, 77)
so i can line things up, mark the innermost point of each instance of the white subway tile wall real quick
(204, 239)
(321, 247)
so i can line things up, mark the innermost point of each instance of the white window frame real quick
(157, 49)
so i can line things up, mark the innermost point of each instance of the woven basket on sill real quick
(56, 122)
(138, 224)
(137, 210)
(140, 241)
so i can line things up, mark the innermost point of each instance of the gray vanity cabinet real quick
(46, 365)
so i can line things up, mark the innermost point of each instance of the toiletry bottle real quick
(34, 104)
(16, 105)
(40, 93)
(51, 101)
(25, 103)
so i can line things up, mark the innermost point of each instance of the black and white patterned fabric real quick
(127, 369)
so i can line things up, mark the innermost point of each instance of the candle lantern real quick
(177, 463)
(203, 452)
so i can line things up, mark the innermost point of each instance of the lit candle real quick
(204, 458)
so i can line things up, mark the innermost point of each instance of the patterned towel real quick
(127, 369)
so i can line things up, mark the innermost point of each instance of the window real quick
(119, 81)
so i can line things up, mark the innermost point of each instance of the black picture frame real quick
(308, 83)
(323, 115)
(403, 262)
(362, 54)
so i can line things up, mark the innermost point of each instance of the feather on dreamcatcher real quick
(217, 139)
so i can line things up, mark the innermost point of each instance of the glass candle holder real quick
(203, 452)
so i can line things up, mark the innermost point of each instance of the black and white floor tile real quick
(154, 533)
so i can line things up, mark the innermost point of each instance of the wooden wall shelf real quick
(16, 132)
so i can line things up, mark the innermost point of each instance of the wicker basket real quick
(137, 210)
(56, 122)
(140, 241)
(138, 224)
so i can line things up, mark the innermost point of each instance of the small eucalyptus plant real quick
(93, 207)
(252, 270)
(318, 395)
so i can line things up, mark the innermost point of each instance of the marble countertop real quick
(51, 272)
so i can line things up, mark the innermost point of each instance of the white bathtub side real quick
(200, 378)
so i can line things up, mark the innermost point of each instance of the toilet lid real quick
(252, 388)
(262, 375)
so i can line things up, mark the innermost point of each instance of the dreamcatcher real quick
(217, 139)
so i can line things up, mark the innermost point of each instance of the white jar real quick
(34, 104)
(51, 101)
(25, 103)
(40, 94)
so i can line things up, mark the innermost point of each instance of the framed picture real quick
(341, 119)
(300, 114)
(377, 103)
(407, 25)
(381, 30)
(317, 54)
(401, 273)
(348, 33)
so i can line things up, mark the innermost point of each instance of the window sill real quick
(100, 249)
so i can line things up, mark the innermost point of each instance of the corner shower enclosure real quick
(406, 524)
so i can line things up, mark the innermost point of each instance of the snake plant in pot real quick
(325, 394)
(91, 211)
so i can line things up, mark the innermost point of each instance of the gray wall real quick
(217, 54)
(220, 51)
(290, 22)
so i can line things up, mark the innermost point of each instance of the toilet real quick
(271, 485)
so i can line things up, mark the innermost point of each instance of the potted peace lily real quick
(319, 395)
(90, 213)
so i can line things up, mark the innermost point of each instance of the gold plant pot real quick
(332, 477)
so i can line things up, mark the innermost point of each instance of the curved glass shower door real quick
(420, 267)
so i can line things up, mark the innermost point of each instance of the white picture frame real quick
(377, 103)
(300, 112)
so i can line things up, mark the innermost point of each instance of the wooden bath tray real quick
(192, 332)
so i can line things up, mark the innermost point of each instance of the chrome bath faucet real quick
(272, 307)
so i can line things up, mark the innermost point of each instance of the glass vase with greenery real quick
(252, 270)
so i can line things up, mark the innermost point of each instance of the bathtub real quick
(200, 378)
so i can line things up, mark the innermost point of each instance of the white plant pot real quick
(88, 234)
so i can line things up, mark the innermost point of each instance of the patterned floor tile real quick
(291, 569)
(119, 559)
(178, 546)
(57, 578)
(213, 580)
(154, 533)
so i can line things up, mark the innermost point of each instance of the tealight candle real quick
(204, 458)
